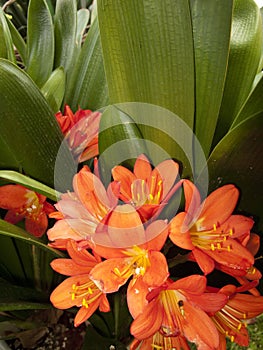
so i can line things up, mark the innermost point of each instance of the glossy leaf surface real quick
(37, 138)
(40, 42)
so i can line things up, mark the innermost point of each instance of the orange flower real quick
(146, 189)
(210, 230)
(23, 203)
(231, 319)
(81, 212)
(81, 131)
(176, 308)
(149, 264)
(160, 342)
(78, 290)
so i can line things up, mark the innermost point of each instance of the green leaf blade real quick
(145, 61)
(87, 87)
(54, 89)
(37, 134)
(211, 34)
(40, 42)
(244, 60)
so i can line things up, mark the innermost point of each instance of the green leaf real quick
(14, 297)
(244, 60)
(119, 140)
(254, 103)
(54, 89)
(211, 47)
(18, 40)
(65, 22)
(83, 16)
(37, 135)
(40, 42)
(94, 341)
(148, 53)
(6, 42)
(30, 183)
(10, 230)
(87, 86)
(15, 305)
(236, 159)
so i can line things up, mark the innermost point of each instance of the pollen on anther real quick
(214, 227)
(212, 247)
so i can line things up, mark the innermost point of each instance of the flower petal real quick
(84, 313)
(148, 322)
(12, 196)
(69, 267)
(178, 232)
(238, 224)
(218, 206)
(125, 227)
(157, 273)
(142, 168)
(136, 296)
(209, 302)
(105, 278)
(126, 178)
(192, 198)
(203, 333)
(62, 230)
(61, 297)
(194, 284)
(168, 172)
(37, 226)
(205, 262)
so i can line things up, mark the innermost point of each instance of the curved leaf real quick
(87, 85)
(254, 103)
(120, 141)
(18, 41)
(54, 89)
(244, 60)
(40, 42)
(148, 53)
(211, 33)
(237, 159)
(29, 183)
(83, 16)
(6, 43)
(10, 230)
(65, 22)
(37, 135)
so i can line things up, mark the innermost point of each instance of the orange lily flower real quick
(160, 342)
(210, 230)
(80, 213)
(23, 203)
(231, 319)
(81, 131)
(146, 189)
(176, 308)
(149, 265)
(78, 289)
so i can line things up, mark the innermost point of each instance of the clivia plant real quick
(131, 173)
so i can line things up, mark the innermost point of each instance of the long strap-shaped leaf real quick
(244, 60)
(148, 53)
(6, 42)
(211, 31)
(87, 86)
(10, 230)
(29, 131)
(29, 183)
(40, 42)
(237, 159)
(65, 32)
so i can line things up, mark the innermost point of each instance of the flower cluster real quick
(114, 236)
